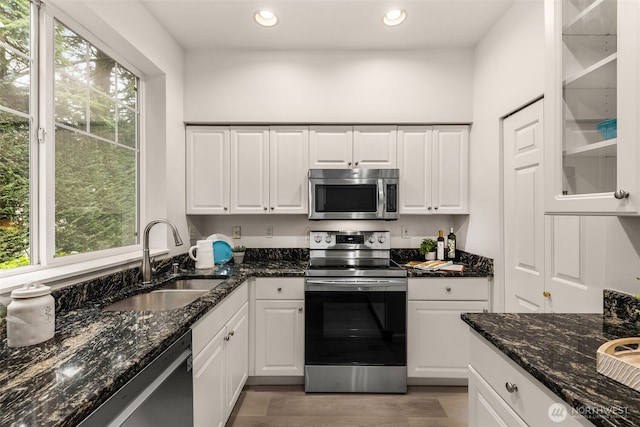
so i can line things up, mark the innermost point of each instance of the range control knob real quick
(372, 239)
(381, 239)
(317, 238)
(327, 239)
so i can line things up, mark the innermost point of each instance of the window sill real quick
(65, 275)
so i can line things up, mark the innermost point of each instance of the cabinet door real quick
(209, 405)
(414, 158)
(591, 108)
(450, 191)
(279, 337)
(486, 407)
(249, 170)
(330, 147)
(207, 170)
(438, 343)
(237, 356)
(289, 169)
(375, 147)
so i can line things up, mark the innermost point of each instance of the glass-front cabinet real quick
(591, 106)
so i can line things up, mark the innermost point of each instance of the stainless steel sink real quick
(194, 284)
(169, 296)
(161, 300)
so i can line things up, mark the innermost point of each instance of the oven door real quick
(356, 322)
(357, 198)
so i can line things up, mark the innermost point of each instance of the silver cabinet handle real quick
(265, 208)
(300, 309)
(484, 310)
(511, 387)
(621, 194)
(448, 288)
(349, 164)
(232, 333)
(429, 208)
(225, 208)
(357, 163)
(226, 338)
(279, 289)
(271, 207)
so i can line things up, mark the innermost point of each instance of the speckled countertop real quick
(95, 352)
(559, 350)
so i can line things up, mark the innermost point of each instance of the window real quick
(89, 188)
(96, 149)
(15, 133)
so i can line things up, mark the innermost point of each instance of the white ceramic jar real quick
(31, 317)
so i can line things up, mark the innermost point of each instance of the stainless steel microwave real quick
(353, 194)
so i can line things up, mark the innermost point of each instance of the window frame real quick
(44, 266)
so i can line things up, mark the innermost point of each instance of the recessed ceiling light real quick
(266, 18)
(394, 17)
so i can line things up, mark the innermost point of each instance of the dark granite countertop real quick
(559, 350)
(95, 352)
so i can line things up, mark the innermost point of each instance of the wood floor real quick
(290, 406)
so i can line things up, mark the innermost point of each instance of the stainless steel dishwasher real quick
(159, 395)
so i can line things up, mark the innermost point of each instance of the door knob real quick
(621, 194)
(546, 294)
(511, 387)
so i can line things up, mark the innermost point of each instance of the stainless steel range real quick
(356, 314)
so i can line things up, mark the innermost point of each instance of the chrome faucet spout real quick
(147, 268)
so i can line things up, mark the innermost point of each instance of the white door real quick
(437, 338)
(279, 337)
(207, 170)
(574, 264)
(237, 356)
(375, 147)
(450, 170)
(288, 169)
(414, 162)
(524, 234)
(249, 170)
(209, 405)
(330, 147)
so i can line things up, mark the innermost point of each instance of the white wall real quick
(131, 31)
(508, 73)
(420, 86)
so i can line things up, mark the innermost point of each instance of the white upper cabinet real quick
(249, 170)
(288, 169)
(375, 147)
(207, 170)
(339, 147)
(591, 107)
(434, 169)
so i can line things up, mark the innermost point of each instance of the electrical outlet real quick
(270, 231)
(404, 231)
(236, 231)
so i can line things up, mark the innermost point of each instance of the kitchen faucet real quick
(147, 268)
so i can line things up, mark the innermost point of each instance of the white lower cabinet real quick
(437, 344)
(220, 359)
(501, 393)
(279, 327)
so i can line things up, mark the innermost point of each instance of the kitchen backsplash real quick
(621, 306)
(118, 285)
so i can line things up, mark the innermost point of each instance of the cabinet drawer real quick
(280, 288)
(449, 289)
(532, 400)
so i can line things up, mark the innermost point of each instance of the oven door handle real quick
(355, 285)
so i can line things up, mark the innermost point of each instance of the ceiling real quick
(327, 24)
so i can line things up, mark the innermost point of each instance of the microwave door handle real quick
(381, 200)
